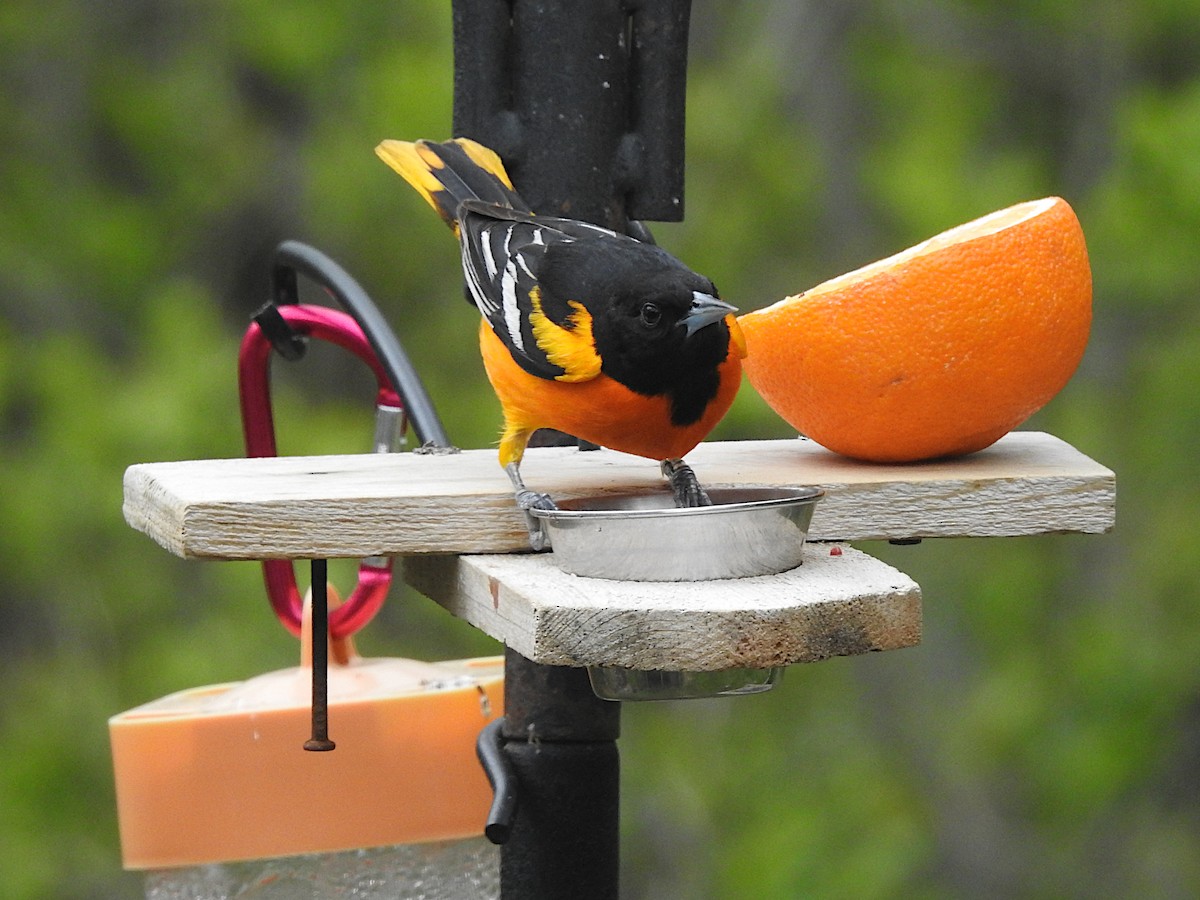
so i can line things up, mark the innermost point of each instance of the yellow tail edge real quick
(418, 164)
(417, 168)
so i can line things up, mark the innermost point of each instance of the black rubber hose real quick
(292, 257)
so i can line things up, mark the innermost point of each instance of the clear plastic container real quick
(467, 869)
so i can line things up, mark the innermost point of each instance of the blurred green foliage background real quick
(1044, 741)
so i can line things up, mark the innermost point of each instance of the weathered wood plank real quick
(832, 605)
(404, 503)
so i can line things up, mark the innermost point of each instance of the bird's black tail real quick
(448, 173)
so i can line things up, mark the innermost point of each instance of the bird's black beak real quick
(705, 310)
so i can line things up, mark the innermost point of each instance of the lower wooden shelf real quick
(838, 603)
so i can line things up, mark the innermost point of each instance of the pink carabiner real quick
(254, 393)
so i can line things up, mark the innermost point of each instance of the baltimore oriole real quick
(584, 330)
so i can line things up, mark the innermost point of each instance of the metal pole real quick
(560, 742)
(584, 102)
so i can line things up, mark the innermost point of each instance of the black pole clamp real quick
(489, 747)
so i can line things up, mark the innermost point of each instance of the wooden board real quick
(832, 605)
(405, 503)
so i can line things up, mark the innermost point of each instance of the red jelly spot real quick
(835, 551)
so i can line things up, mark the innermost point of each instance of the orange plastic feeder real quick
(219, 773)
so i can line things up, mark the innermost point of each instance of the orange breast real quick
(601, 410)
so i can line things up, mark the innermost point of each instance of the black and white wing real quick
(502, 253)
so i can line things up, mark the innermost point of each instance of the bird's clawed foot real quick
(527, 500)
(684, 484)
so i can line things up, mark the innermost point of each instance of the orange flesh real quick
(936, 351)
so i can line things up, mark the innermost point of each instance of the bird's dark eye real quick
(650, 314)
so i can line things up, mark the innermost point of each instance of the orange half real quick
(937, 351)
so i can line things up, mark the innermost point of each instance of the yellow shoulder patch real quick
(571, 348)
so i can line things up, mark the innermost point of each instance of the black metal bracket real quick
(583, 101)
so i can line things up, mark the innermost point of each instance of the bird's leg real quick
(527, 500)
(684, 484)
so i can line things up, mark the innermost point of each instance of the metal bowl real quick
(645, 537)
(612, 683)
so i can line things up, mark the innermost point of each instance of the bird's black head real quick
(657, 325)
